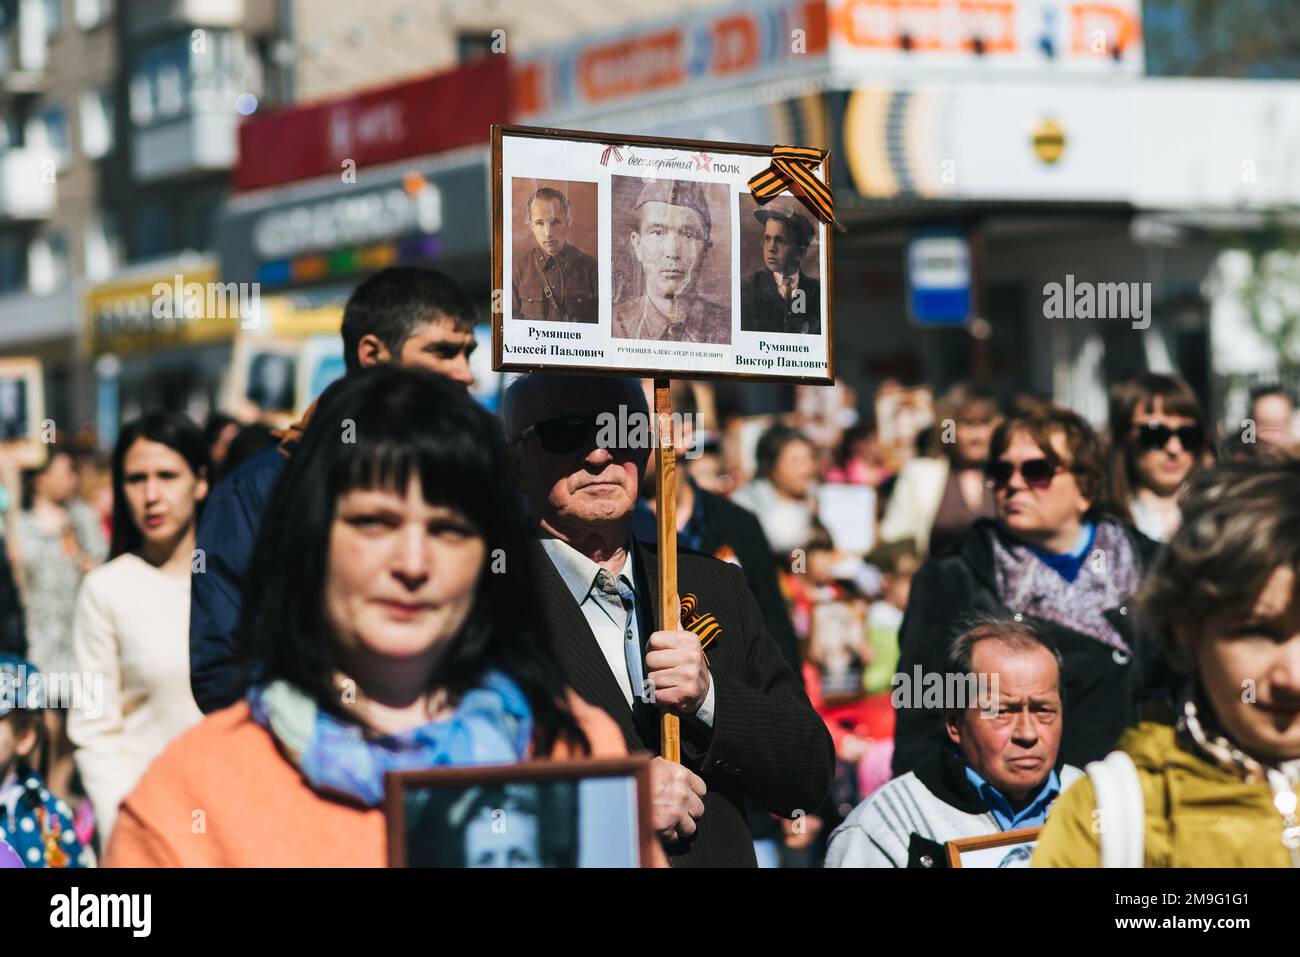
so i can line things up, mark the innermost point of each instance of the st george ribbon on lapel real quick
(699, 622)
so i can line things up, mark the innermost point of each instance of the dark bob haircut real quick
(381, 429)
(179, 434)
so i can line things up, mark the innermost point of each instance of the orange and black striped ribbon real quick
(703, 624)
(795, 168)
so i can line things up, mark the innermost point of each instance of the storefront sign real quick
(182, 306)
(1050, 36)
(700, 53)
(430, 115)
(336, 232)
(938, 279)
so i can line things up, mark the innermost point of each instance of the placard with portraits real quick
(649, 256)
(22, 410)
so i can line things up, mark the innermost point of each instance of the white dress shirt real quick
(604, 612)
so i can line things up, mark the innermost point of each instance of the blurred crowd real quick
(869, 530)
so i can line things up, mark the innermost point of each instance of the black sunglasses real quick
(560, 436)
(1153, 435)
(1037, 473)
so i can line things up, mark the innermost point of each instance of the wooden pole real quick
(670, 732)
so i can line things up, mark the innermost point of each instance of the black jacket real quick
(1104, 691)
(766, 744)
(764, 309)
(723, 522)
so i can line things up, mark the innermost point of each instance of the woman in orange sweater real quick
(381, 639)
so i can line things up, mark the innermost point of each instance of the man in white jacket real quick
(1000, 770)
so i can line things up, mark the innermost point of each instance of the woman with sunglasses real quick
(1217, 787)
(1158, 440)
(1051, 559)
(382, 641)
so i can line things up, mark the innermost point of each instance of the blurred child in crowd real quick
(33, 822)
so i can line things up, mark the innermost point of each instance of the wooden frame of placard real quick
(398, 783)
(1025, 835)
(498, 187)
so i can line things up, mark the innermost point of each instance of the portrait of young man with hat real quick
(780, 297)
(670, 239)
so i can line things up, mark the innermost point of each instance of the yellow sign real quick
(180, 308)
(1049, 141)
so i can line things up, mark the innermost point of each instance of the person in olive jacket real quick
(1051, 559)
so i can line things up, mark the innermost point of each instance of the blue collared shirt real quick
(1069, 564)
(1033, 814)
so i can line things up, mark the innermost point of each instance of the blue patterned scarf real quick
(492, 725)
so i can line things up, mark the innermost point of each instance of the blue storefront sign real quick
(939, 278)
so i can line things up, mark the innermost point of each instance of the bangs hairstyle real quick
(1080, 442)
(179, 434)
(379, 429)
(1241, 522)
(1138, 396)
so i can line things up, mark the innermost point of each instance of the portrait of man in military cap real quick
(674, 259)
(776, 294)
(553, 280)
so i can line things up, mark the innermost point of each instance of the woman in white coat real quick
(132, 619)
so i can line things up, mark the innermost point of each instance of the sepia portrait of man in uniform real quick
(780, 297)
(669, 241)
(553, 280)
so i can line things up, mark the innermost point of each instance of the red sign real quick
(416, 118)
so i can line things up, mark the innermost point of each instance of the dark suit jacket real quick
(766, 744)
(724, 523)
(762, 309)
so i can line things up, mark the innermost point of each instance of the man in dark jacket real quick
(404, 314)
(747, 729)
(713, 525)
(1050, 560)
(779, 297)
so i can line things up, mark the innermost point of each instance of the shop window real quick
(11, 263)
(97, 123)
(473, 45)
(92, 13)
(53, 17)
(47, 263)
(101, 247)
(48, 130)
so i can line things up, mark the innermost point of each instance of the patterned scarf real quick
(1108, 576)
(493, 724)
(1282, 778)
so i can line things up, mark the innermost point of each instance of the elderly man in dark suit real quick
(779, 297)
(747, 729)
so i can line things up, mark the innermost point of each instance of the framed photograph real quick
(901, 416)
(535, 814)
(1004, 849)
(320, 364)
(651, 257)
(838, 645)
(22, 410)
(266, 375)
